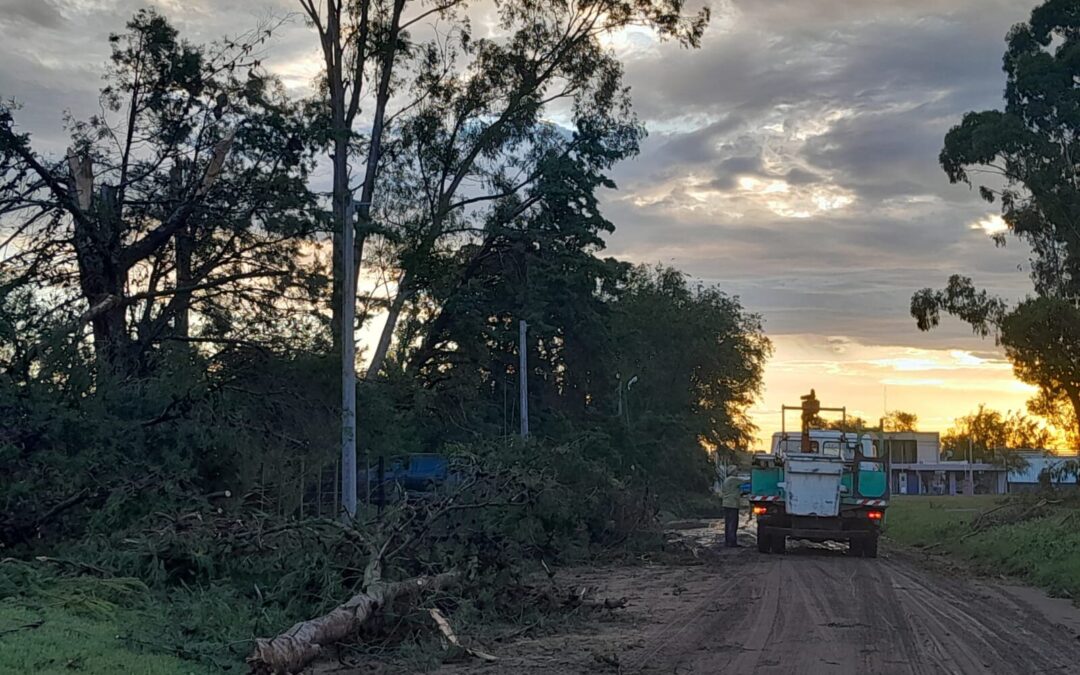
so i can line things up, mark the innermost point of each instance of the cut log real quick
(292, 650)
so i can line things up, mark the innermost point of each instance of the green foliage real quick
(38, 638)
(978, 308)
(595, 326)
(1043, 550)
(1040, 339)
(1031, 144)
(898, 421)
(994, 437)
(698, 358)
(895, 421)
(168, 411)
(180, 213)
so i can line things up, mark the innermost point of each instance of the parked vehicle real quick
(418, 472)
(819, 485)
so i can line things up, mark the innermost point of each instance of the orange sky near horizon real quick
(938, 385)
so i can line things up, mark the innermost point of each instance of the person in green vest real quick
(731, 496)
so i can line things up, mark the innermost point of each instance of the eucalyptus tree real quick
(1025, 157)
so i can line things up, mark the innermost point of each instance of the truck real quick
(819, 484)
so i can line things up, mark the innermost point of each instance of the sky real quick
(791, 160)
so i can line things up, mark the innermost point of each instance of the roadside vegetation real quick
(1032, 538)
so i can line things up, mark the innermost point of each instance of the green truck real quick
(819, 485)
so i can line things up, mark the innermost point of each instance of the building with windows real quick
(916, 468)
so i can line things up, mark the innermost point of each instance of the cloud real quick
(30, 13)
(992, 224)
(796, 161)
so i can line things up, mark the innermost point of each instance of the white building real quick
(1040, 462)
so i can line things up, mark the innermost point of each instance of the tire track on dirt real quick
(813, 611)
(985, 635)
(685, 629)
(817, 611)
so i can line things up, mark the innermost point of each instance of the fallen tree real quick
(292, 650)
(405, 526)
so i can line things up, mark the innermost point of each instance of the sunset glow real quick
(937, 385)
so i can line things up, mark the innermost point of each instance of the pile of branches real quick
(1009, 512)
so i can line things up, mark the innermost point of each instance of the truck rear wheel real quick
(869, 546)
(764, 545)
(855, 547)
(779, 544)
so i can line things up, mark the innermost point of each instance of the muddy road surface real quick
(814, 610)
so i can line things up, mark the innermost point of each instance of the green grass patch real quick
(926, 521)
(56, 623)
(42, 637)
(1042, 548)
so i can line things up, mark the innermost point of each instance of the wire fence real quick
(302, 488)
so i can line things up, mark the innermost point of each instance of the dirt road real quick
(814, 610)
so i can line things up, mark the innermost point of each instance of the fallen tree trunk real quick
(290, 651)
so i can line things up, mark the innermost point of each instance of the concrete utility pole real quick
(618, 392)
(523, 377)
(348, 367)
(971, 473)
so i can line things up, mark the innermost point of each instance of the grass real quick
(40, 637)
(51, 623)
(1043, 550)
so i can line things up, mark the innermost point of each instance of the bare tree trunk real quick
(292, 650)
(379, 358)
(185, 243)
(102, 280)
(340, 197)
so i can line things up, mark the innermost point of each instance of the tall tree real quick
(364, 44)
(991, 436)
(458, 135)
(188, 192)
(898, 420)
(697, 354)
(461, 338)
(1030, 148)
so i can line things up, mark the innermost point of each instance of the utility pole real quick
(629, 385)
(971, 473)
(523, 377)
(618, 392)
(348, 367)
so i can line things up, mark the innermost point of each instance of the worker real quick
(731, 495)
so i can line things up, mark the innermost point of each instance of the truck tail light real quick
(875, 515)
(759, 510)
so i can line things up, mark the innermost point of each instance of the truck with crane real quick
(819, 484)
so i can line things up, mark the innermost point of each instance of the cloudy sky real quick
(791, 160)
